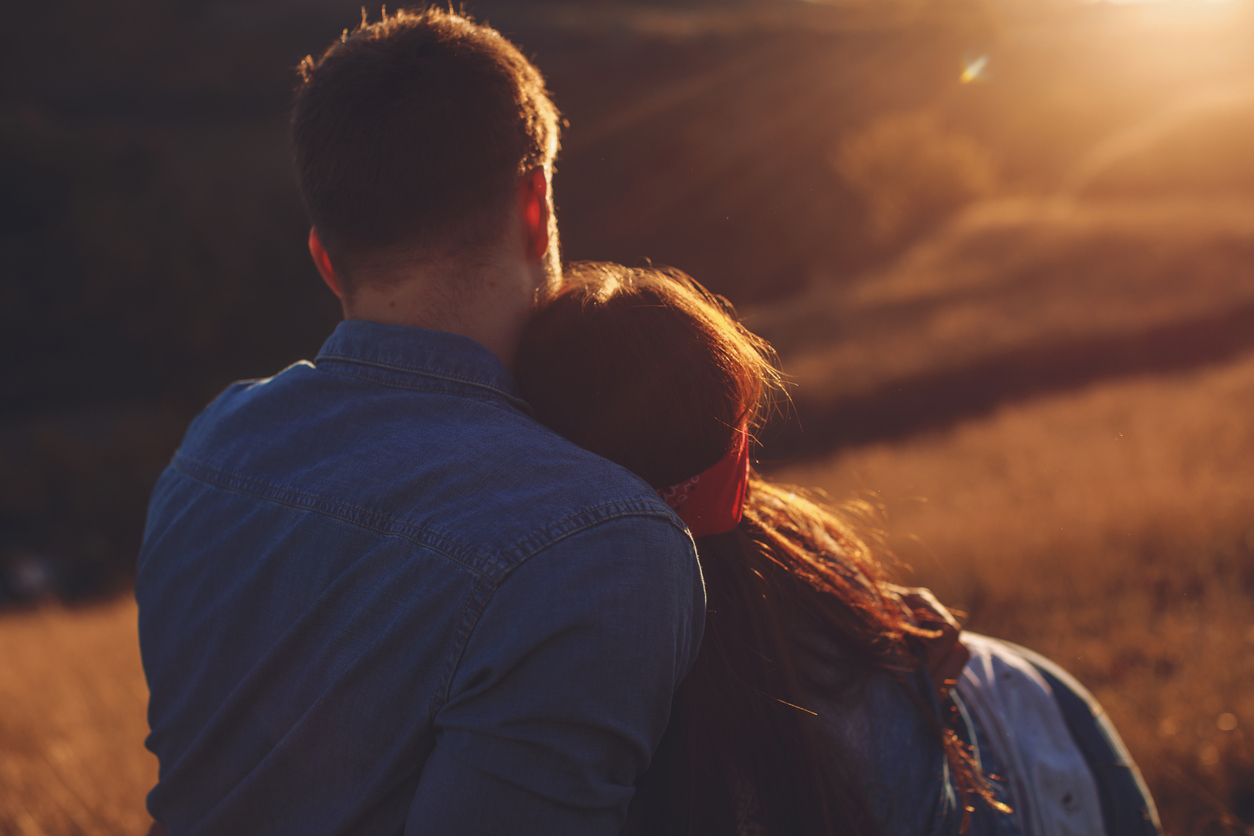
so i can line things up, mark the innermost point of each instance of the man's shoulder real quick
(549, 489)
(521, 488)
(469, 469)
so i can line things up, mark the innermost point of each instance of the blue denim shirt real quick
(377, 597)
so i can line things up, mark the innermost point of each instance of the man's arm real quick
(565, 686)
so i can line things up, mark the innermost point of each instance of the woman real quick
(822, 700)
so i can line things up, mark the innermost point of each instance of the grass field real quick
(72, 759)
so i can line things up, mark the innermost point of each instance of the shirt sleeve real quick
(565, 686)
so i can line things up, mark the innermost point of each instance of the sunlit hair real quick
(410, 134)
(648, 369)
(696, 375)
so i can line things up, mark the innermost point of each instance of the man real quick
(375, 595)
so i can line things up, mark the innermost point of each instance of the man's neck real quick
(490, 305)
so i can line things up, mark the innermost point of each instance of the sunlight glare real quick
(1146, 2)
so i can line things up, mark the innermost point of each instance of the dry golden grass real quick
(1113, 530)
(72, 759)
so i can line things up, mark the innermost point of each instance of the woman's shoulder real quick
(1020, 725)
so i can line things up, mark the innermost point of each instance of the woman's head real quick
(646, 368)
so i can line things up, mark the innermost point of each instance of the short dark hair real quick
(411, 132)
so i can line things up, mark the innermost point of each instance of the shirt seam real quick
(441, 694)
(529, 546)
(515, 403)
(454, 378)
(350, 514)
(475, 605)
(505, 562)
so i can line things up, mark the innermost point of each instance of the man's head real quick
(412, 139)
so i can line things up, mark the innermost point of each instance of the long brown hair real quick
(648, 369)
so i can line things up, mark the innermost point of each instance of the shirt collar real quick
(419, 351)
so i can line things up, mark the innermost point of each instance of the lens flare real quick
(974, 69)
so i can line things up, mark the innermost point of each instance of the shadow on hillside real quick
(940, 399)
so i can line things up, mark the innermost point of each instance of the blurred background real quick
(1004, 247)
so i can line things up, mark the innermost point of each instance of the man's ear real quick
(323, 262)
(533, 195)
